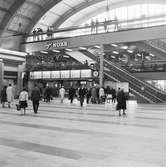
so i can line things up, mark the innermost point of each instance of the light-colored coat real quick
(62, 92)
(101, 92)
(9, 93)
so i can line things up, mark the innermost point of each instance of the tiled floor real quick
(64, 135)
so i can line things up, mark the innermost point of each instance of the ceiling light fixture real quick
(83, 48)
(124, 47)
(115, 52)
(115, 45)
(97, 46)
(70, 50)
(44, 52)
(130, 51)
(152, 55)
(57, 51)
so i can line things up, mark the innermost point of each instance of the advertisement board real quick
(64, 74)
(46, 74)
(86, 73)
(75, 73)
(55, 74)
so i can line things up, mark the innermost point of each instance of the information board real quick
(55, 74)
(75, 74)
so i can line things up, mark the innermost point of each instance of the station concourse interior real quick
(102, 44)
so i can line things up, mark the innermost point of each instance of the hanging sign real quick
(57, 44)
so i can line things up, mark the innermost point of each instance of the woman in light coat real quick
(9, 93)
(62, 93)
(23, 100)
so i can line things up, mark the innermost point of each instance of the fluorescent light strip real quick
(97, 46)
(152, 55)
(124, 47)
(44, 52)
(83, 48)
(115, 45)
(130, 51)
(57, 51)
(70, 50)
(115, 52)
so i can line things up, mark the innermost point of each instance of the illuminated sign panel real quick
(86, 73)
(31, 75)
(46, 74)
(55, 74)
(75, 74)
(64, 74)
(37, 75)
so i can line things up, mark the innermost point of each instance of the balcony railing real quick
(112, 26)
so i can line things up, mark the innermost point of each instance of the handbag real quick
(18, 107)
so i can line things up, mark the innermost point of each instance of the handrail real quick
(144, 83)
(135, 25)
(149, 94)
(141, 95)
(130, 81)
(157, 44)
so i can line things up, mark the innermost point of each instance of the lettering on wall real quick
(57, 44)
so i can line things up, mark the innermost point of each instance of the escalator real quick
(151, 48)
(159, 44)
(142, 90)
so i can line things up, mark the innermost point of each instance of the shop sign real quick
(57, 44)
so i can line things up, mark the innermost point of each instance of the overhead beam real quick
(104, 38)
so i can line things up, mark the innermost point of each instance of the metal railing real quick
(112, 26)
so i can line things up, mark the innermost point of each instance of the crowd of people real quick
(94, 95)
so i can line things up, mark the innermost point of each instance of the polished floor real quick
(64, 135)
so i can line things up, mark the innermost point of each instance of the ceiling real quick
(23, 15)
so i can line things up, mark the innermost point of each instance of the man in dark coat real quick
(72, 92)
(121, 102)
(35, 97)
(82, 93)
(3, 96)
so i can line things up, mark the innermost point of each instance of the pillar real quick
(101, 74)
(21, 68)
(1, 74)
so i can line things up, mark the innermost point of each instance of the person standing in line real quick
(88, 95)
(93, 95)
(35, 97)
(82, 93)
(3, 96)
(101, 94)
(9, 92)
(62, 93)
(121, 102)
(113, 91)
(23, 100)
(72, 92)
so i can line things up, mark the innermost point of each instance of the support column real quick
(101, 74)
(1, 74)
(21, 68)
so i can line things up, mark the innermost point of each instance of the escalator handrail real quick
(125, 71)
(149, 100)
(137, 87)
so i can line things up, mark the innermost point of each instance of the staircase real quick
(150, 94)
